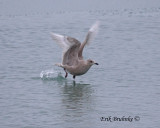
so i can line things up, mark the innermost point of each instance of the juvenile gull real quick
(72, 58)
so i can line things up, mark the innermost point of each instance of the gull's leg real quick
(64, 67)
(66, 73)
(74, 77)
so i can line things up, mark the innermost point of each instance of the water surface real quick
(35, 94)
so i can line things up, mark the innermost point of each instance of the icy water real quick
(125, 84)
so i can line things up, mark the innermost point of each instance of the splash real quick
(51, 75)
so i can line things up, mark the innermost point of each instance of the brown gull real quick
(72, 58)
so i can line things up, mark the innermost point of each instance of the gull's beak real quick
(96, 63)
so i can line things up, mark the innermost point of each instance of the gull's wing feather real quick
(70, 48)
(61, 41)
(90, 36)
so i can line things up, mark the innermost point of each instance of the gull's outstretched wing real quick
(90, 36)
(70, 48)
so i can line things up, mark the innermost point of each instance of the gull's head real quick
(91, 62)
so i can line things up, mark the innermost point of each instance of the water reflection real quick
(76, 101)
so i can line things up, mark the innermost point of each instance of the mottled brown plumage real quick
(72, 58)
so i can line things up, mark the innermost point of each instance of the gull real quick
(72, 58)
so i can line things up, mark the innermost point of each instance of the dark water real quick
(35, 94)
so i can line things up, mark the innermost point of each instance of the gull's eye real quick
(91, 61)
